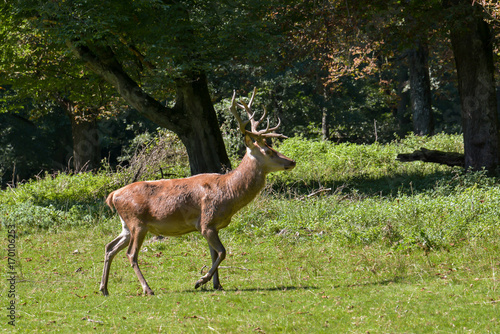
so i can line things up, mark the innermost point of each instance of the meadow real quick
(350, 241)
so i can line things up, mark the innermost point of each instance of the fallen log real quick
(440, 157)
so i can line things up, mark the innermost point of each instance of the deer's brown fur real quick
(203, 203)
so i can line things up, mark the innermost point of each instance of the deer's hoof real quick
(200, 282)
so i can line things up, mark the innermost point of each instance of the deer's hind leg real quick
(136, 239)
(111, 250)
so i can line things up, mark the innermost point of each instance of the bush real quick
(152, 157)
(61, 190)
(425, 220)
(373, 198)
(30, 218)
(57, 201)
(369, 169)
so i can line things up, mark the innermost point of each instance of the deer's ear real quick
(249, 141)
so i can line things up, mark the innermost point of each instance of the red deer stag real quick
(204, 202)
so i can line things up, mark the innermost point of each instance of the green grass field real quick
(391, 248)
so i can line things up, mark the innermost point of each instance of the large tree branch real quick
(104, 63)
(440, 157)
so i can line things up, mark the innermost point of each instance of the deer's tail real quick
(109, 201)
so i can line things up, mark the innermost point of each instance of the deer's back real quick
(167, 207)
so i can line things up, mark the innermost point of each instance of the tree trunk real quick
(86, 146)
(200, 131)
(420, 90)
(192, 118)
(321, 91)
(325, 129)
(472, 41)
(403, 100)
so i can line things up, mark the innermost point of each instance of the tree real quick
(403, 95)
(491, 8)
(414, 23)
(45, 77)
(420, 89)
(155, 51)
(472, 45)
(471, 41)
(327, 36)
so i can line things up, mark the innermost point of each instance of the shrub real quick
(374, 198)
(153, 157)
(61, 190)
(367, 168)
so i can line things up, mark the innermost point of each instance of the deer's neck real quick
(246, 181)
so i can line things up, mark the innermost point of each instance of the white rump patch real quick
(125, 230)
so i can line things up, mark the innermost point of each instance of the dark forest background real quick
(87, 83)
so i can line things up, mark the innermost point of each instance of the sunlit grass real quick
(271, 285)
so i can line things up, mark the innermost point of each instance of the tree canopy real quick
(157, 51)
(342, 68)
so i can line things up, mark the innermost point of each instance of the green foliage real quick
(289, 94)
(60, 201)
(61, 190)
(41, 71)
(372, 198)
(29, 217)
(430, 220)
(174, 36)
(57, 202)
(368, 169)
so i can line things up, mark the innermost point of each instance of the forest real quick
(84, 83)
(386, 218)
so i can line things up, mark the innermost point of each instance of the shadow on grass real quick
(282, 288)
(384, 282)
(366, 186)
(269, 289)
(409, 183)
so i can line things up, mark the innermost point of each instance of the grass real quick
(366, 169)
(399, 248)
(272, 286)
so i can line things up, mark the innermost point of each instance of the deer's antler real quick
(266, 133)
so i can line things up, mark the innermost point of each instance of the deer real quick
(203, 202)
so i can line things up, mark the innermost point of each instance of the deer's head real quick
(255, 140)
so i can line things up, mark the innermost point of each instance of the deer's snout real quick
(291, 165)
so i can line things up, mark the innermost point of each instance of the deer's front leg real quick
(218, 253)
(215, 278)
